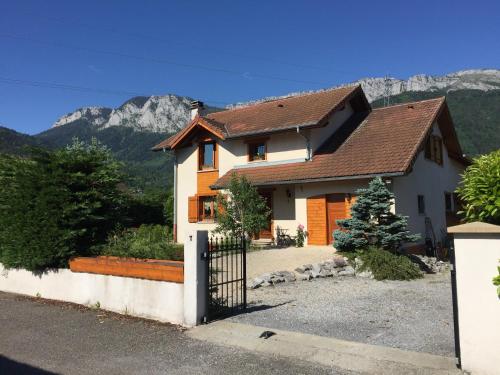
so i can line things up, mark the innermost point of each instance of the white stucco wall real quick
(158, 300)
(319, 136)
(432, 181)
(477, 256)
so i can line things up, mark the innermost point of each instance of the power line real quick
(161, 61)
(64, 86)
(211, 50)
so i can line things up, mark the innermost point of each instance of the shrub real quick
(480, 189)
(301, 235)
(385, 265)
(57, 204)
(145, 242)
(243, 212)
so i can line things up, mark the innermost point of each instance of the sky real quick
(57, 56)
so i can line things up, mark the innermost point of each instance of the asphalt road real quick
(45, 337)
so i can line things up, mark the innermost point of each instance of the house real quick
(308, 155)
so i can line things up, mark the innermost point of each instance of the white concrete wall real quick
(158, 300)
(477, 256)
(432, 181)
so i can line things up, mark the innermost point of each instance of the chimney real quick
(196, 108)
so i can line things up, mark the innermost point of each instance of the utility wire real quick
(211, 50)
(160, 61)
(64, 86)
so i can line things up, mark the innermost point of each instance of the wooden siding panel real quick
(317, 225)
(193, 209)
(205, 180)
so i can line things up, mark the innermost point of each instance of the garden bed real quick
(150, 269)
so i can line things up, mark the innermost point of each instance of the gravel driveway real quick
(415, 315)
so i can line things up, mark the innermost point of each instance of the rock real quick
(325, 273)
(340, 262)
(304, 276)
(288, 276)
(307, 267)
(300, 269)
(316, 267)
(347, 271)
(315, 274)
(266, 277)
(266, 283)
(256, 283)
(277, 280)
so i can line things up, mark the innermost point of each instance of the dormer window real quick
(207, 156)
(434, 149)
(257, 150)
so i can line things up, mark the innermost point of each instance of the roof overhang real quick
(196, 124)
(321, 179)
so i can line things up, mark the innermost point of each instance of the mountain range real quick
(138, 124)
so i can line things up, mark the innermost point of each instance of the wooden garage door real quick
(336, 209)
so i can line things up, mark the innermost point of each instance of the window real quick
(421, 204)
(207, 207)
(434, 149)
(207, 156)
(257, 151)
(448, 202)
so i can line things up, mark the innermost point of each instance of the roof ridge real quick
(290, 96)
(441, 98)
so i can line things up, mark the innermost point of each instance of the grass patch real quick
(145, 242)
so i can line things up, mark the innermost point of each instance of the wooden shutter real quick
(428, 148)
(220, 208)
(193, 209)
(439, 149)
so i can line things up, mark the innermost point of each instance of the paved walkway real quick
(287, 259)
(351, 356)
(44, 337)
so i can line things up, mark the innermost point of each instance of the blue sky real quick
(224, 51)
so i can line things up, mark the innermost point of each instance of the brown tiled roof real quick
(308, 109)
(385, 143)
(271, 116)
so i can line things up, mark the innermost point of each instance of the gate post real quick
(195, 277)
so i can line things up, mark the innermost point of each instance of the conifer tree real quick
(372, 223)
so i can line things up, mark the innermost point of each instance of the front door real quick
(267, 232)
(336, 209)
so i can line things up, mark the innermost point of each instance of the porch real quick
(316, 206)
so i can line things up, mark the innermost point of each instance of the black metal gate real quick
(227, 277)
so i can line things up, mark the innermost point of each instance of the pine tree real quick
(372, 222)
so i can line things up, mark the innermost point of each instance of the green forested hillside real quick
(14, 143)
(146, 168)
(476, 115)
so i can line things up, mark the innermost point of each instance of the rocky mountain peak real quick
(166, 113)
(474, 79)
